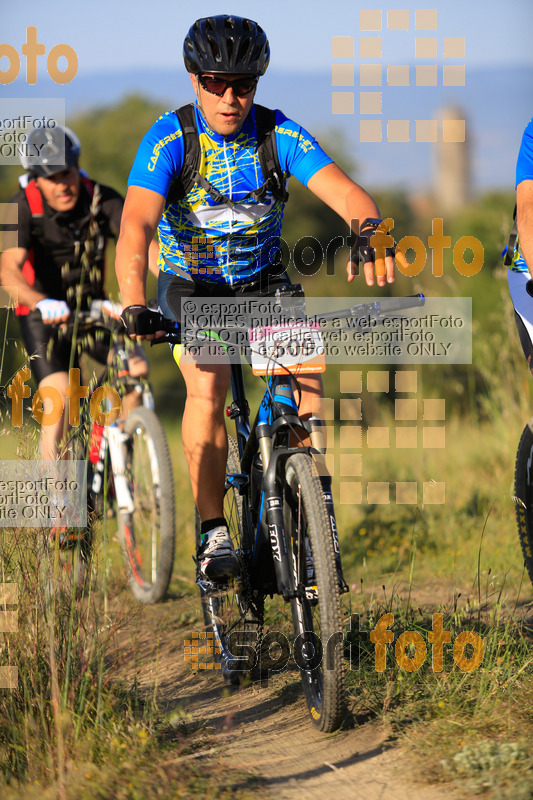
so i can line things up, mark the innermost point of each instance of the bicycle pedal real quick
(211, 588)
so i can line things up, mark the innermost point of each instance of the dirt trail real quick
(265, 731)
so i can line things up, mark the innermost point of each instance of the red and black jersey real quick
(56, 241)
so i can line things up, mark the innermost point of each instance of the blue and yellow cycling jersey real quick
(213, 241)
(524, 172)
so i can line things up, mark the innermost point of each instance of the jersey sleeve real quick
(160, 155)
(524, 165)
(299, 153)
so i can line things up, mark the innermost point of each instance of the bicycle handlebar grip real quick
(399, 303)
(172, 330)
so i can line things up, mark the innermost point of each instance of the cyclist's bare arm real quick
(524, 219)
(140, 218)
(11, 262)
(350, 201)
(153, 254)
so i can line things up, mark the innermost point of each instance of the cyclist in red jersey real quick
(62, 215)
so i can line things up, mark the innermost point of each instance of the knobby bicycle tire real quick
(147, 535)
(226, 611)
(524, 495)
(316, 617)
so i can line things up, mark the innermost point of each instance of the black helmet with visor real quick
(226, 44)
(50, 150)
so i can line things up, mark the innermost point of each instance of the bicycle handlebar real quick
(359, 313)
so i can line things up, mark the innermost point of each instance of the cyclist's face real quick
(61, 191)
(226, 114)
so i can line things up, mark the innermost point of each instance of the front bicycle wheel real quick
(524, 495)
(147, 534)
(229, 618)
(318, 648)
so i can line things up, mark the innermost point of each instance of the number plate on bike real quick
(297, 347)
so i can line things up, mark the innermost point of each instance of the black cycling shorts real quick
(172, 289)
(49, 348)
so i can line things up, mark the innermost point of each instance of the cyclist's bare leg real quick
(51, 435)
(204, 432)
(311, 404)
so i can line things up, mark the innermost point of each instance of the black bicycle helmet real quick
(50, 150)
(226, 44)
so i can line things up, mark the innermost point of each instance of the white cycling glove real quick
(53, 310)
(114, 310)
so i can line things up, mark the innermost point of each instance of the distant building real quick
(452, 162)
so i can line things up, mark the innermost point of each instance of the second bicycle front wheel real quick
(524, 495)
(147, 534)
(318, 648)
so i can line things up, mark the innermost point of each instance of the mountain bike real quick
(127, 465)
(279, 509)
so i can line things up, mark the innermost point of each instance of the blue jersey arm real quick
(299, 153)
(524, 165)
(160, 155)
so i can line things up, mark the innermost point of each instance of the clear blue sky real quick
(108, 34)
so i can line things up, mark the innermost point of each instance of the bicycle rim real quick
(148, 533)
(227, 613)
(318, 648)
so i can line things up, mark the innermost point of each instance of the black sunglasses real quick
(241, 86)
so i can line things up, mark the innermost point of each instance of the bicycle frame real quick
(112, 441)
(277, 412)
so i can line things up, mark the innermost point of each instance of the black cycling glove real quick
(363, 250)
(141, 320)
